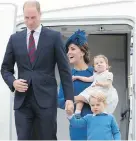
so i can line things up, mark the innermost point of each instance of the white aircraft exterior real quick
(111, 30)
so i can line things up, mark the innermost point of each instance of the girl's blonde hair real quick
(105, 59)
(99, 95)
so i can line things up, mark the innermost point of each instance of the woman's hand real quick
(74, 78)
(75, 99)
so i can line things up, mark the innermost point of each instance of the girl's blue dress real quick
(79, 86)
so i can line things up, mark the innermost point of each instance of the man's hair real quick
(33, 3)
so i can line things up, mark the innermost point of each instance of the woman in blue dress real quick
(78, 55)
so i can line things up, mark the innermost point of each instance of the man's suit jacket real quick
(41, 74)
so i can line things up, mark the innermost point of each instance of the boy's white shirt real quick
(99, 113)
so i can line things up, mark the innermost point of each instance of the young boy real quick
(100, 125)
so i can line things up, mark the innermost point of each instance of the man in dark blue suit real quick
(36, 50)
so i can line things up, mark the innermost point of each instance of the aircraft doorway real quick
(114, 46)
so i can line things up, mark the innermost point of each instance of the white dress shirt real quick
(36, 35)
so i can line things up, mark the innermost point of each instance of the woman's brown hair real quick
(86, 56)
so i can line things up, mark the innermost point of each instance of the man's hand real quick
(20, 85)
(69, 107)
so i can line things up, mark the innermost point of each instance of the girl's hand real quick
(98, 84)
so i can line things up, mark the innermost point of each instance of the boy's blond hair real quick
(99, 95)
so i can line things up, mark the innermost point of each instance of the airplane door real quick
(7, 27)
(114, 46)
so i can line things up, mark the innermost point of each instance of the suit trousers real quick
(29, 113)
